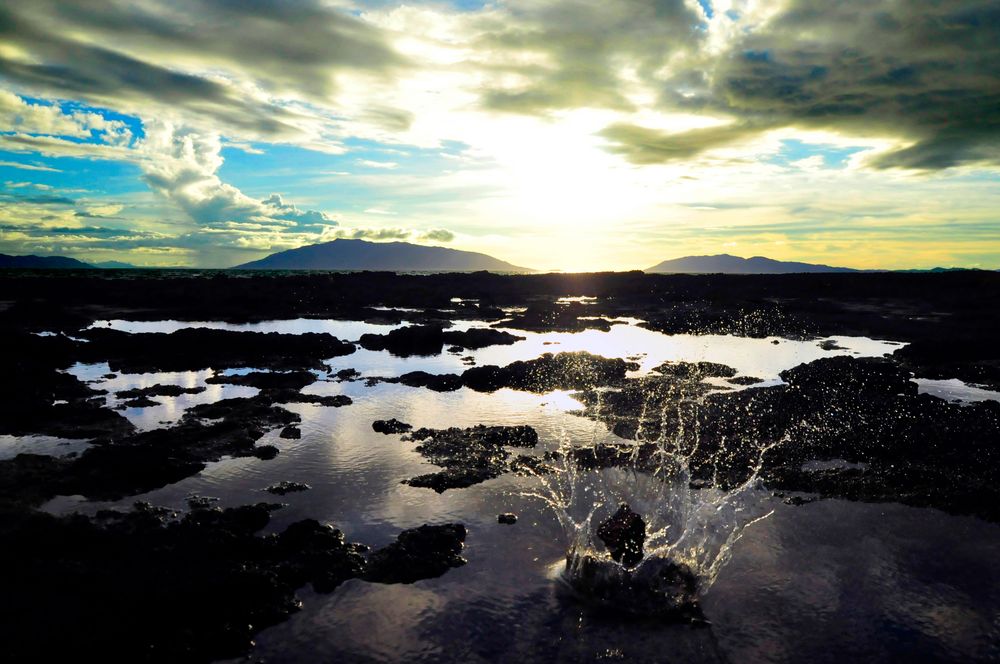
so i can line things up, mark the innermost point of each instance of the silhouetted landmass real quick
(42, 262)
(726, 264)
(380, 256)
(115, 265)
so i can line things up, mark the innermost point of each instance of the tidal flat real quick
(286, 467)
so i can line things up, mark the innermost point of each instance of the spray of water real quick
(691, 525)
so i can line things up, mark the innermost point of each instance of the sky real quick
(554, 134)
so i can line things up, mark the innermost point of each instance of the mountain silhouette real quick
(44, 262)
(726, 264)
(383, 256)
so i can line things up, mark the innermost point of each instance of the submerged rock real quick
(624, 533)
(508, 518)
(656, 587)
(469, 456)
(158, 390)
(283, 487)
(418, 553)
(431, 339)
(390, 426)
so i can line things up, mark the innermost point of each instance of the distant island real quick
(56, 263)
(345, 254)
(42, 262)
(726, 264)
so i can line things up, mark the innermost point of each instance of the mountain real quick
(384, 256)
(726, 264)
(114, 265)
(44, 262)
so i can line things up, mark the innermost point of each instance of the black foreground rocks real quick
(152, 586)
(470, 456)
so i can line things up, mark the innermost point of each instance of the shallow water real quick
(827, 581)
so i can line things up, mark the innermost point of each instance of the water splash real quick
(691, 524)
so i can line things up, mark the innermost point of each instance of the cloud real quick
(220, 62)
(923, 72)
(181, 164)
(29, 167)
(437, 235)
(560, 54)
(642, 145)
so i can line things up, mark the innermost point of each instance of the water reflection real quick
(904, 583)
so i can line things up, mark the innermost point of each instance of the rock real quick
(431, 339)
(348, 374)
(508, 518)
(746, 380)
(158, 390)
(291, 432)
(268, 380)
(140, 402)
(624, 533)
(418, 553)
(657, 588)
(265, 452)
(200, 348)
(469, 456)
(285, 487)
(390, 426)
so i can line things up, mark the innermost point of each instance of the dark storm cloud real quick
(584, 46)
(924, 71)
(133, 53)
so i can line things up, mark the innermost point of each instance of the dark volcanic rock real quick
(563, 371)
(695, 370)
(915, 448)
(624, 534)
(431, 339)
(745, 380)
(290, 433)
(507, 518)
(268, 380)
(438, 383)
(283, 487)
(418, 553)
(199, 348)
(390, 426)
(148, 585)
(158, 390)
(139, 402)
(469, 456)
(656, 588)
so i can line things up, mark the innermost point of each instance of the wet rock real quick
(438, 383)
(265, 452)
(158, 390)
(431, 339)
(552, 316)
(830, 344)
(267, 380)
(469, 456)
(390, 426)
(656, 588)
(419, 553)
(290, 433)
(562, 371)
(200, 348)
(745, 380)
(140, 402)
(624, 534)
(192, 588)
(507, 518)
(695, 370)
(348, 375)
(284, 487)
